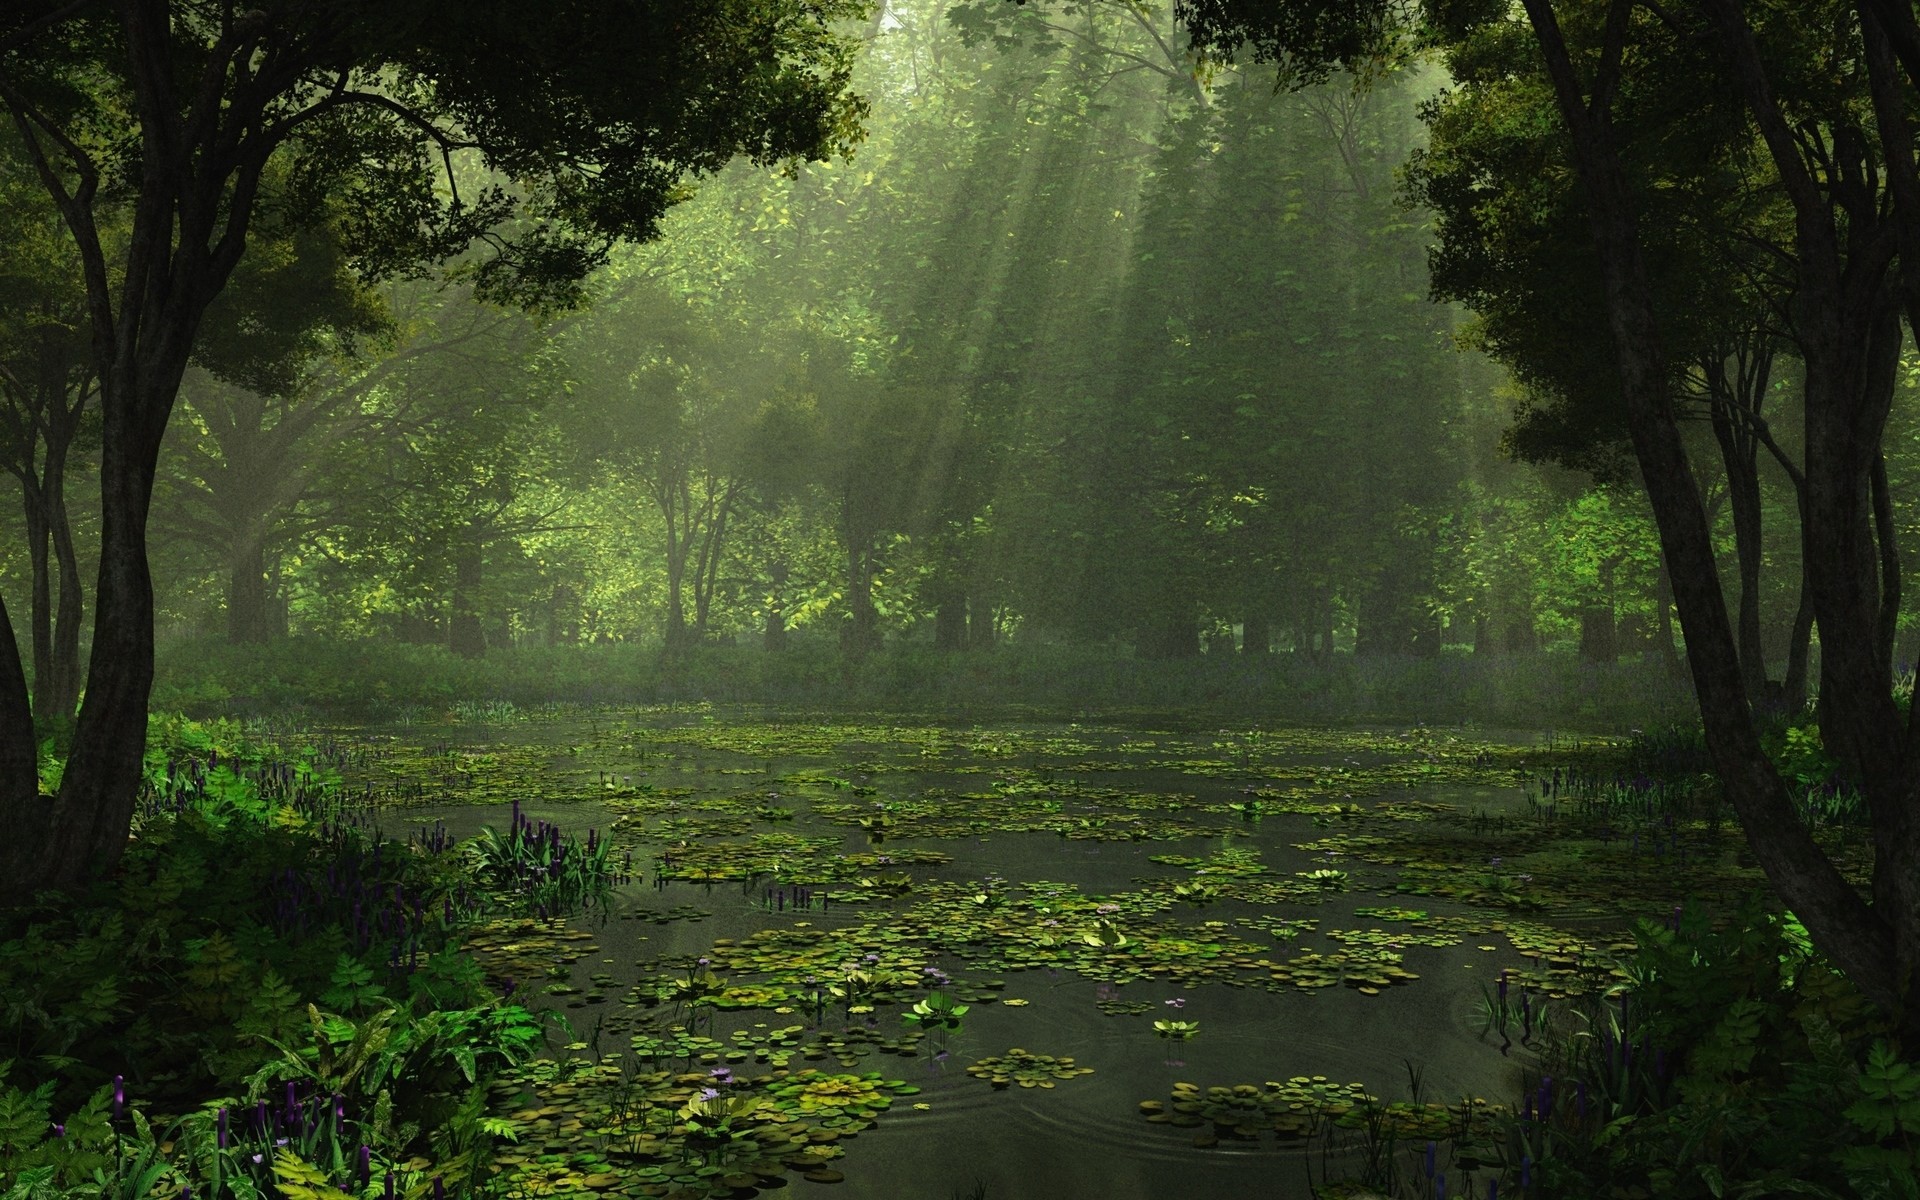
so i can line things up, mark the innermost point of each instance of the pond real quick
(1149, 960)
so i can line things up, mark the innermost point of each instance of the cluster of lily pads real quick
(1226, 917)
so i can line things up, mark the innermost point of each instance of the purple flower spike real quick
(439, 1189)
(119, 1095)
(1432, 1148)
(388, 1194)
(220, 1130)
(1440, 1186)
(366, 1163)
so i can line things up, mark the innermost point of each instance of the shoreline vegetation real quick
(378, 680)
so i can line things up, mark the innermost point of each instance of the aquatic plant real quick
(1026, 1068)
(937, 1011)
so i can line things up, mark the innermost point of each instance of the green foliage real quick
(1775, 1075)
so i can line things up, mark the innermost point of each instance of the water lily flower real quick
(709, 1094)
(721, 1074)
(1177, 1002)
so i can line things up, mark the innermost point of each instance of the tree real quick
(1854, 245)
(46, 382)
(596, 112)
(278, 355)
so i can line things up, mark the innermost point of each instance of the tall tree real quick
(1851, 178)
(597, 111)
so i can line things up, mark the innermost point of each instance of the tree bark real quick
(1858, 939)
(1598, 640)
(19, 757)
(247, 592)
(1887, 534)
(63, 692)
(40, 611)
(950, 623)
(980, 631)
(1739, 453)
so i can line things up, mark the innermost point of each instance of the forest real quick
(1337, 568)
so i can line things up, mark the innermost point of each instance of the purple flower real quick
(1177, 1002)
(721, 1074)
(709, 1094)
(119, 1095)
(220, 1130)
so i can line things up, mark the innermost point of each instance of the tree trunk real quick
(1887, 534)
(64, 692)
(1743, 492)
(860, 630)
(19, 756)
(1599, 640)
(1793, 689)
(83, 833)
(1861, 940)
(40, 613)
(1256, 635)
(1663, 601)
(980, 631)
(247, 591)
(465, 636)
(950, 623)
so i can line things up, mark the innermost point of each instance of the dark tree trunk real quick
(83, 832)
(247, 596)
(1599, 637)
(465, 636)
(950, 623)
(1738, 452)
(1663, 601)
(1888, 535)
(19, 756)
(1878, 947)
(63, 692)
(1519, 635)
(40, 613)
(860, 630)
(1793, 689)
(980, 631)
(1256, 635)
(563, 617)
